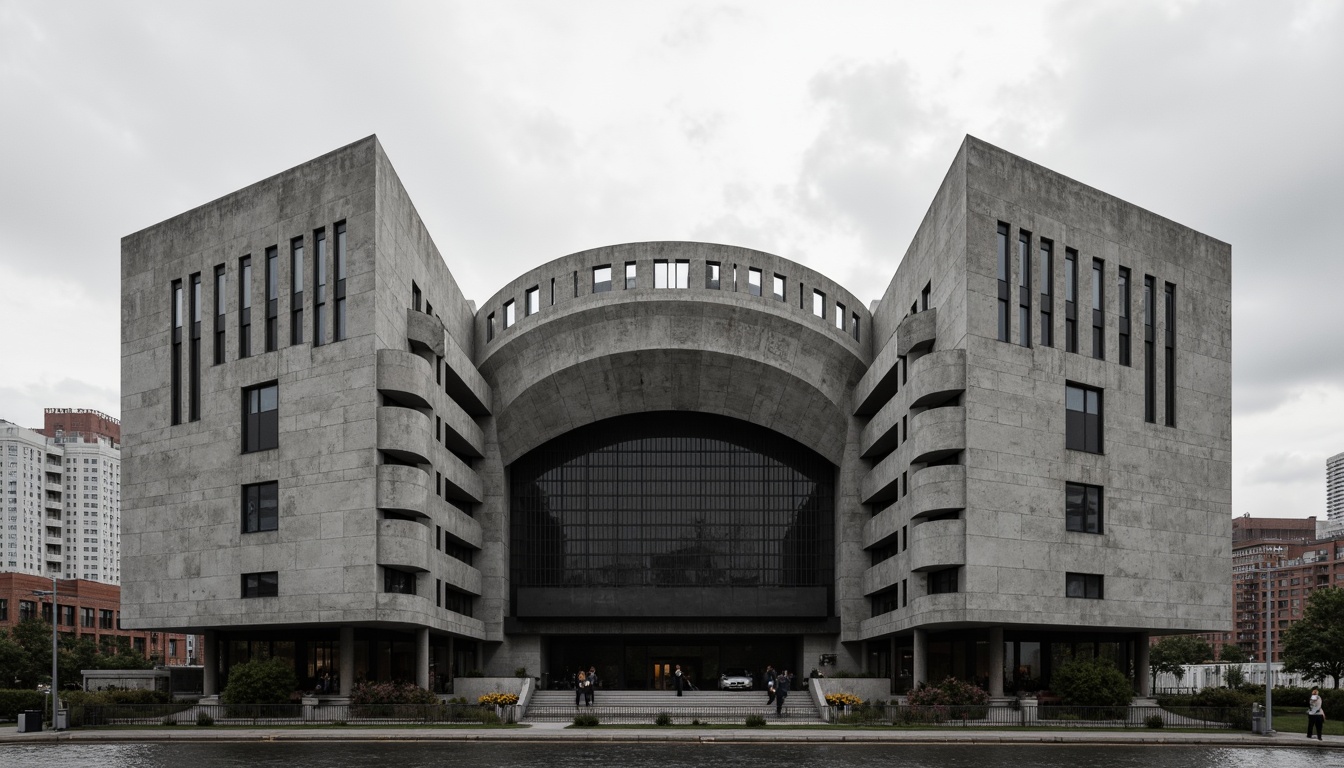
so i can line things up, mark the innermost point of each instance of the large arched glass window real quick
(669, 501)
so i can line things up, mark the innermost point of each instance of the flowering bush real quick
(950, 692)
(843, 700)
(498, 700)
(390, 700)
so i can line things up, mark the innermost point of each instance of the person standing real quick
(769, 684)
(1315, 715)
(782, 681)
(678, 679)
(580, 688)
(592, 684)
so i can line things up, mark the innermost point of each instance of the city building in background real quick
(1334, 493)
(1283, 560)
(87, 609)
(673, 453)
(61, 501)
(84, 423)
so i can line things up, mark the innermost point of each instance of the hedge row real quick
(13, 701)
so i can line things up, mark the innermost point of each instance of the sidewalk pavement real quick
(561, 732)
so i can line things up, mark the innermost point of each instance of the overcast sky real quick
(817, 131)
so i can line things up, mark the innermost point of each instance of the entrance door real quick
(664, 674)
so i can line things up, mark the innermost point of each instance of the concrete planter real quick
(472, 688)
(869, 689)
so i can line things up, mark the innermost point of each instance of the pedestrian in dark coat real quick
(782, 682)
(582, 690)
(679, 679)
(769, 684)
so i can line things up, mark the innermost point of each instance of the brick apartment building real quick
(1291, 557)
(85, 423)
(90, 609)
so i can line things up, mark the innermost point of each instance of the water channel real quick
(664, 755)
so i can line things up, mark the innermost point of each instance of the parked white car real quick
(736, 679)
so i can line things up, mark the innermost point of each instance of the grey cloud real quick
(1286, 468)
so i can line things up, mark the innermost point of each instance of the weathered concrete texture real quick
(1164, 548)
(948, 444)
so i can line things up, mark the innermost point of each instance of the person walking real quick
(678, 679)
(1315, 715)
(782, 682)
(581, 689)
(769, 684)
(592, 684)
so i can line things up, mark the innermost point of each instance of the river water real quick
(663, 755)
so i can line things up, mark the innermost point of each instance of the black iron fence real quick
(189, 713)
(680, 715)
(1050, 715)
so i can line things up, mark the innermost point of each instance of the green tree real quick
(1172, 653)
(1314, 644)
(13, 660)
(263, 681)
(1235, 676)
(1233, 654)
(1091, 683)
(118, 654)
(33, 636)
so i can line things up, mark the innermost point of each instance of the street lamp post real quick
(54, 638)
(1269, 648)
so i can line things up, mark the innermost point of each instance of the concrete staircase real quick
(643, 706)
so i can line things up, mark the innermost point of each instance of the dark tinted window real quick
(1082, 508)
(1083, 420)
(261, 507)
(261, 418)
(1085, 585)
(265, 584)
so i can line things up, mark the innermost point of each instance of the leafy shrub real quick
(663, 718)
(13, 701)
(391, 700)
(1154, 721)
(585, 721)
(88, 708)
(204, 720)
(520, 672)
(918, 715)
(755, 721)
(950, 692)
(259, 682)
(696, 721)
(1092, 683)
(1214, 704)
(169, 721)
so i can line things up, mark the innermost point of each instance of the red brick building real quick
(86, 608)
(1286, 557)
(88, 423)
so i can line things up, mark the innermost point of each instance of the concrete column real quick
(209, 653)
(347, 660)
(996, 662)
(921, 670)
(422, 657)
(1141, 665)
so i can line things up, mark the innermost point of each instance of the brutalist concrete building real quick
(675, 453)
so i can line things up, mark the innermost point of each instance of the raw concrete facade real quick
(395, 443)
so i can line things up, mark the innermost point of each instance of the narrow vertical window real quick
(1098, 310)
(272, 297)
(194, 353)
(1149, 354)
(818, 303)
(660, 273)
(1002, 263)
(683, 273)
(1047, 281)
(925, 296)
(854, 320)
(1070, 300)
(221, 303)
(1169, 370)
(601, 282)
(1124, 315)
(754, 282)
(175, 377)
(1024, 288)
(296, 291)
(839, 315)
(490, 327)
(245, 307)
(416, 297)
(629, 275)
(711, 275)
(339, 330)
(779, 288)
(552, 291)
(320, 288)
(532, 303)
(508, 313)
